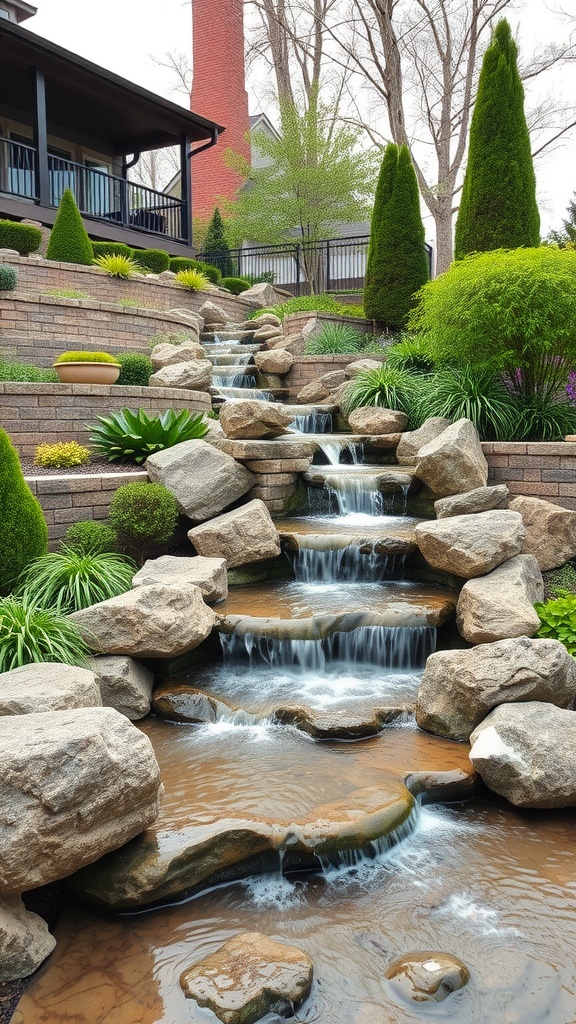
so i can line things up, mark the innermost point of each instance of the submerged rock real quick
(247, 534)
(209, 574)
(471, 545)
(125, 684)
(249, 977)
(525, 752)
(24, 940)
(501, 604)
(427, 976)
(550, 531)
(47, 686)
(481, 499)
(454, 461)
(203, 479)
(178, 702)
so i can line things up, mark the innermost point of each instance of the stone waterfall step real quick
(234, 370)
(377, 478)
(224, 394)
(230, 348)
(224, 334)
(235, 358)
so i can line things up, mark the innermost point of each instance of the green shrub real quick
(113, 249)
(336, 339)
(25, 373)
(67, 293)
(69, 242)
(128, 436)
(8, 278)
(61, 455)
(387, 387)
(410, 353)
(155, 260)
(117, 266)
(236, 285)
(313, 303)
(178, 263)
(85, 357)
(143, 514)
(29, 634)
(136, 369)
(24, 238)
(68, 581)
(22, 527)
(193, 280)
(91, 537)
(462, 391)
(266, 277)
(558, 620)
(215, 249)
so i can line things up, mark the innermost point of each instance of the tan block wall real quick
(305, 369)
(538, 469)
(67, 500)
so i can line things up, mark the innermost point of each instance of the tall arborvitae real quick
(397, 259)
(22, 525)
(216, 251)
(498, 208)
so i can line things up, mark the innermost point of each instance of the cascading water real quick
(245, 381)
(231, 393)
(345, 565)
(313, 423)
(335, 449)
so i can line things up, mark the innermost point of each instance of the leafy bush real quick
(511, 311)
(24, 238)
(22, 526)
(193, 280)
(113, 249)
(30, 634)
(336, 339)
(128, 436)
(69, 242)
(8, 278)
(136, 369)
(86, 357)
(65, 453)
(117, 266)
(266, 277)
(462, 391)
(410, 353)
(68, 581)
(67, 293)
(558, 620)
(90, 537)
(387, 387)
(25, 373)
(143, 514)
(178, 263)
(236, 285)
(155, 260)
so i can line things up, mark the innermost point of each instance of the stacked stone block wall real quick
(544, 470)
(71, 499)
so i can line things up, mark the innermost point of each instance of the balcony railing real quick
(105, 197)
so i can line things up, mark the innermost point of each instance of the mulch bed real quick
(95, 465)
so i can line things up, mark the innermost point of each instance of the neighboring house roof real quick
(259, 122)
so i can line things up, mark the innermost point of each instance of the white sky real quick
(121, 34)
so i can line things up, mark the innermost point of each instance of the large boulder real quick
(166, 354)
(413, 440)
(125, 684)
(213, 315)
(313, 392)
(361, 365)
(459, 688)
(246, 534)
(501, 604)
(47, 686)
(525, 753)
(276, 360)
(195, 374)
(73, 786)
(263, 320)
(550, 531)
(153, 621)
(267, 333)
(207, 573)
(454, 461)
(248, 418)
(373, 420)
(427, 976)
(249, 977)
(260, 296)
(480, 499)
(24, 940)
(203, 479)
(471, 545)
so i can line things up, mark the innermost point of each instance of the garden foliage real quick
(336, 339)
(69, 242)
(116, 265)
(24, 238)
(142, 514)
(131, 436)
(30, 634)
(22, 526)
(90, 536)
(86, 357)
(8, 277)
(136, 369)
(183, 263)
(193, 280)
(61, 455)
(558, 620)
(216, 250)
(154, 260)
(387, 387)
(10, 370)
(69, 580)
(236, 285)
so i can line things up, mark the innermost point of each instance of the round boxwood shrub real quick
(24, 238)
(142, 514)
(69, 242)
(113, 249)
(236, 285)
(178, 263)
(8, 278)
(136, 369)
(90, 536)
(22, 526)
(155, 260)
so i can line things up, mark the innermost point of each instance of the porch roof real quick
(87, 99)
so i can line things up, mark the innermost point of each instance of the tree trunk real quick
(444, 237)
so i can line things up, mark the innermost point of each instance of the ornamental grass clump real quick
(455, 392)
(336, 339)
(131, 436)
(61, 455)
(116, 265)
(31, 634)
(22, 527)
(193, 280)
(386, 387)
(69, 580)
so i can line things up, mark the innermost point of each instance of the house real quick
(68, 123)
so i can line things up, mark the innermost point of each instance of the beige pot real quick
(87, 373)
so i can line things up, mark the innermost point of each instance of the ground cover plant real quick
(558, 620)
(30, 634)
(61, 454)
(131, 436)
(13, 371)
(69, 580)
(142, 514)
(313, 303)
(67, 293)
(24, 531)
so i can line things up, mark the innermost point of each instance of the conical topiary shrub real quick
(216, 250)
(69, 242)
(22, 526)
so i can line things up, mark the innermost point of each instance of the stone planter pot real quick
(87, 373)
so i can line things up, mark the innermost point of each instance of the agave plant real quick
(69, 580)
(387, 387)
(30, 634)
(463, 391)
(193, 280)
(131, 436)
(117, 265)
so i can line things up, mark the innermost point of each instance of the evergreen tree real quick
(216, 250)
(498, 208)
(397, 260)
(566, 237)
(23, 529)
(69, 242)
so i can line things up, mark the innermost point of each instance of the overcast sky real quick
(121, 34)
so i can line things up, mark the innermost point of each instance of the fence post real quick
(327, 265)
(297, 270)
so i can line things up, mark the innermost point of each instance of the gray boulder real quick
(24, 940)
(195, 374)
(501, 604)
(413, 440)
(374, 420)
(203, 479)
(248, 418)
(247, 534)
(481, 499)
(550, 531)
(525, 753)
(153, 621)
(207, 573)
(459, 688)
(47, 686)
(73, 786)
(454, 461)
(471, 545)
(125, 684)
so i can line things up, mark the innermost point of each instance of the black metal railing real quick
(17, 169)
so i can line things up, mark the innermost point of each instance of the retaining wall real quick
(538, 469)
(305, 369)
(70, 499)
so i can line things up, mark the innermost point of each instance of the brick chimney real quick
(219, 93)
